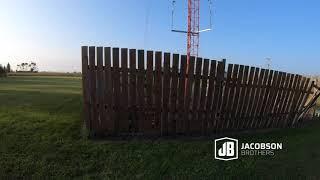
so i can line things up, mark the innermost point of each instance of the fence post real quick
(93, 90)
(116, 85)
(85, 87)
(124, 120)
(166, 92)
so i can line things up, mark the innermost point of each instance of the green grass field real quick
(42, 134)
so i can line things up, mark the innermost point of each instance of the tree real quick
(24, 66)
(3, 72)
(18, 68)
(33, 67)
(8, 68)
(27, 67)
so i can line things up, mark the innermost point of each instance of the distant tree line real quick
(27, 67)
(4, 70)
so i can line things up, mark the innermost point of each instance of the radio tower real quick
(193, 30)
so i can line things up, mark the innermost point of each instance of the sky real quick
(51, 32)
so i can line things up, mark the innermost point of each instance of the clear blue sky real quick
(245, 31)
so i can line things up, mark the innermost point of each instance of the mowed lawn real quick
(42, 134)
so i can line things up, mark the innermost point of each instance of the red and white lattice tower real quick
(193, 29)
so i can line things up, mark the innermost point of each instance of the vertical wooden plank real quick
(210, 96)
(284, 86)
(242, 81)
(203, 97)
(242, 100)
(236, 103)
(86, 87)
(109, 91)
(299, 92)
(306, 92)
(189, 94)
(232, 105)
(289, 97)
(232, 91)
(93, 88)
(258, 98)
(297, 101)
(253, 97)
(284, 103)
(302, 93)
(166, 92)
(224, 104)
(273, 94)
(247, 99)
(140, 91)
(150, 115)
(124, 120)
(263, 96)
(181, 125)
(218, 95)
(100, 88)
(158, 91)
(116, 85)
(173, 95)
(243, 88)
(275, 106)
(133, 117)
(195, 124)
(266, 92)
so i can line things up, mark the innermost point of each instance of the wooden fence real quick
(130, 92)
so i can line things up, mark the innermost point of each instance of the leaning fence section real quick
(129, 91)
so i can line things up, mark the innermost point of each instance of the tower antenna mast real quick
(268, 60)
(193, 29)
